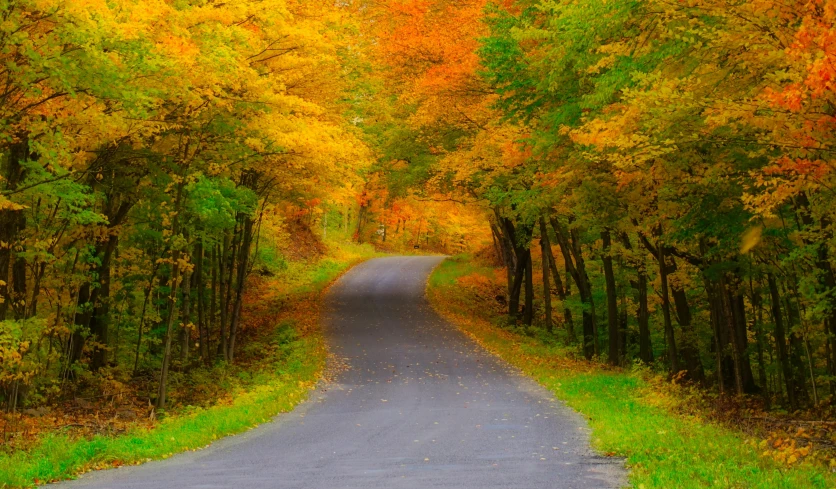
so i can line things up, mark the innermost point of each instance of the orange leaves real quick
(785, 449)
(182, 49)
(815, 169)
(430, 48)
(790, 97)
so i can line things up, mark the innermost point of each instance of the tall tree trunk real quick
(642, 311)
(202, 326)
(243, 261)
(688, 347)
(518, 238)
(561, 293)
(12, 222)
(213, 302)
(756, 305)
(716, 318)
(731, 330)
(572, 256)
(546, 259)
(673, 355)
(142, 317)
(222, 297)
(507, 247)
(516, 290)
(643, 318)
(528, 315)
(93, 302)
(172, 300)
(100, 317)
(612, 299)
(186, 318)
(742, 337)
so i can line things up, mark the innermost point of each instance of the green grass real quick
(663, 449)
(58, 457)
(298, 363)
(446, 274)
(312, 277)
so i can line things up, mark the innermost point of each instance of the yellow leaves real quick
(182, 50)
(8, 205)
(750, 239)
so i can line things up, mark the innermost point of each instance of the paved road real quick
(421, 406)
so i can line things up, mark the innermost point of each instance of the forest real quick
(655, 178)
(671, 161)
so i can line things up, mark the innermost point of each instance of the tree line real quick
(145, 148)
(673, 162)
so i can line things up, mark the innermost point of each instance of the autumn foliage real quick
(664, 170)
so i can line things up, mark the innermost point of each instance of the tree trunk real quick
(519, 240)
(643, 318)
(715, 315)
(546, 259)
(186, 319)
(213, 303)
(528, 315)
(673, 356)
(562, 294)
(243, 261)
(612, 299)
(12, 222)
(93, 311)
(100, 318)
(221, 270)
(202, 326)
(756, 304)
(688, 348)
(577, 269)
(172, 300)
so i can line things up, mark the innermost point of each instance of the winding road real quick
(419, 406)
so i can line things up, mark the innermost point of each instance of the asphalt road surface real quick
(418, 405)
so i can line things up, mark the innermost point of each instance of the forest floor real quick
(671, 435)
(281, 359)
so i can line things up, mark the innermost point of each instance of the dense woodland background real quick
(656, 177)
(671, 160)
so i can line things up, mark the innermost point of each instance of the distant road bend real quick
(421, 406)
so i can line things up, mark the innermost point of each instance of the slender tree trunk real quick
(742, 336)
(202, 326)
(728, 309)
(522, 255)
(243, 260)
(612, 299)
(223, 350)
(688, 347)
(507, 247)
(213, 303)
(570, 249)
(172, 301)
(100, 317)
(561, 293)
(756, 305)
(528, 315)
(547, 290)
(673, 356)
(716, 318)
(142, 315)
(186, 318)
(643, 318)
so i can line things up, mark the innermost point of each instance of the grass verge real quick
(280, 384)
(631, 416)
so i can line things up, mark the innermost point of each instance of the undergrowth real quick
(285, 362)
(632, 414)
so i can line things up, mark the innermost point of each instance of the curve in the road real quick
(420, 406)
